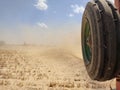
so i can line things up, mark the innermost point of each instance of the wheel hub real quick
(87, 43)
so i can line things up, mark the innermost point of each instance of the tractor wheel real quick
(100, 24)
(116, 16)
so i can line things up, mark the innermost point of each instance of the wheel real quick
(117, 21)
(100, 24)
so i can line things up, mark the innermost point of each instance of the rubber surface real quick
(104, 23)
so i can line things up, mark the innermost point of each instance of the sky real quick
(39, 21)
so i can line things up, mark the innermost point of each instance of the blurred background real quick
(41, 21)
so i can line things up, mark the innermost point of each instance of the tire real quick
(101, 20)
(117, 23)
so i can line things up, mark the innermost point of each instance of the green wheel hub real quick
(87, 50)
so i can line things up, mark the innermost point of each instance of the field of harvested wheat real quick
(45, 68)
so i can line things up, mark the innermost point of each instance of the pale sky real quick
(36, 21)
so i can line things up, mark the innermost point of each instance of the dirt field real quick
(45, 68)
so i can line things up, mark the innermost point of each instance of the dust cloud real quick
(44, 59)
(37, 35)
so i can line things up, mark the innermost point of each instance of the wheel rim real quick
(87, 45)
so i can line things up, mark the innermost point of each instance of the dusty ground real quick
(45, 68)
